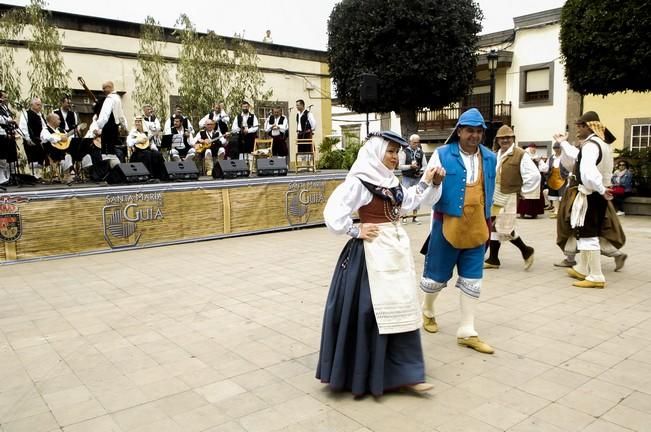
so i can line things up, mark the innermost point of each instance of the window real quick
(640, 136)
(537, 85)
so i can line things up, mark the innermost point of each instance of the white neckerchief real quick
(369, 167)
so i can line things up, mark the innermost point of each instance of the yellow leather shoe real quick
(488, 265)
(477, 344)
(589, 284)
(429, 324)
(575, 274)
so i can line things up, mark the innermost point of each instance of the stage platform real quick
(47, 221)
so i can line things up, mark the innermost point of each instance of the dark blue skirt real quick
(354, 356)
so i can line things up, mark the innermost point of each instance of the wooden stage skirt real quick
(72, 221)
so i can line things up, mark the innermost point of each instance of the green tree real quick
(242, 80)
(605, 45)
(152, 74)
(48, 74)
(11, 26)
(211, 70)
(423, 52)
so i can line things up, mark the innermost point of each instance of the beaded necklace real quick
(392, 210)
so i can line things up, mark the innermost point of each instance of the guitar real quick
(64, 138)
(142, 141)
(205, 145)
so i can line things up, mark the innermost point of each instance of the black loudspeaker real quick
(273, 166)
(232, 168)
(132, 172)
(179, 170)
(368, 88)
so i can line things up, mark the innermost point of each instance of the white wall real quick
(533, 46)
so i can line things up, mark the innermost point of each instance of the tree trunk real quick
(408, 125)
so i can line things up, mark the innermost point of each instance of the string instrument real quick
(142, 141)
(97, 141)
(88, 92)
(205, 145)
(64, 138)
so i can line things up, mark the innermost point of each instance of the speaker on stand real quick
(368, 84)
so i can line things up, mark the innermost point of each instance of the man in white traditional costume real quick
(516, 174)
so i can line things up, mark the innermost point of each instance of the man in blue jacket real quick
(460, 228)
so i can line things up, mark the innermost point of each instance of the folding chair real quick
(262, 148)
(305, 155)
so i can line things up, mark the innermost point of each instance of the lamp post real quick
(492, 58)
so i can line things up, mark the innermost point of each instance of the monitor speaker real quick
(232, 168)
(181, 170)
(132, 172)
(273, 166)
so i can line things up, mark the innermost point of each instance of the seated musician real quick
(276, 127)
(182, 141)
(209, 142)
(56, 146)
(143, 150)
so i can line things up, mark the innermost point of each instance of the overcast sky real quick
(300, 23)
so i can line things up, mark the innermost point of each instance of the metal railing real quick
(446, 118)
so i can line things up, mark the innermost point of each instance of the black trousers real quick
(594, 216)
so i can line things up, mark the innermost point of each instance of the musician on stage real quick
(109, 120)
(219, 115)
(276, 127)
(8, 125)
(50, 137)
(169, 123)
(151, 124)
(215, 141)
(68, 119)
(144, 151)
(182, 141)
(246, 126)
(32, 123)
(305, 121)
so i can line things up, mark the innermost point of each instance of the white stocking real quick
(428, 304)
(467, 323)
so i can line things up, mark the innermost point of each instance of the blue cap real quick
(392, 136)
(471, 117)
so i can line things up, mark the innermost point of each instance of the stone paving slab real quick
(223, 336)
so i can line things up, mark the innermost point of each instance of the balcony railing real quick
(446, 118)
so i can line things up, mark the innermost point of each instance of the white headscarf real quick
(369, 167)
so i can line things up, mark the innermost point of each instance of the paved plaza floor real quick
(223, 336)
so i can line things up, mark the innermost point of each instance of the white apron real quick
(505, 219)
(392, 279)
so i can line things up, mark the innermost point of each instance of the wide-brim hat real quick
(394, 137)
(504, 131)
(589, 116)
